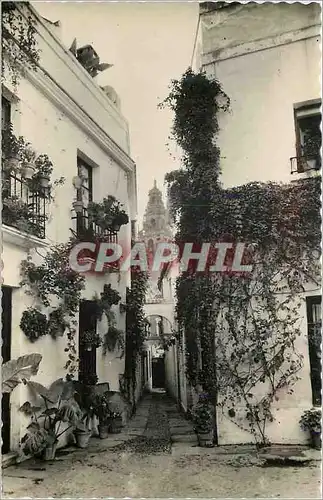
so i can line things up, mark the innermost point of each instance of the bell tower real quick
(156, 219)
(156, 227)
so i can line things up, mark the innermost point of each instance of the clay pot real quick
(28, 170)
(50, 452)
(104, 430)
(82, 438)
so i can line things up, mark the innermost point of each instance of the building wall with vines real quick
(59, 109)
(269, 72)
(245, 335)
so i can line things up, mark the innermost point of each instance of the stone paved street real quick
(157, 456)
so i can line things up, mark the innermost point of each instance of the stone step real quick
(187, 438)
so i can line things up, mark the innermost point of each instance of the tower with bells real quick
(156, 228)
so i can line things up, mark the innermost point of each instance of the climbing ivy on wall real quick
(53, 279)
(240, 331)
(19, 44)
(135, 327)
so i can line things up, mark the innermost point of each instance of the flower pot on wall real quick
(28, 170)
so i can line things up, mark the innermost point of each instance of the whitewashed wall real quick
(264, 69)
(64, 114)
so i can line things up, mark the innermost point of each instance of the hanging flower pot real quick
(78, 206)
(28, 170)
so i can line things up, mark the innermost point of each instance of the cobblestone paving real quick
(156, 456)
(156, 436)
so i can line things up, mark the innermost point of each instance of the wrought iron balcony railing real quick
(23, 208)
(301, 164)
(86, 230)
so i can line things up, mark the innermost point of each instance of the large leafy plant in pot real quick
(311, 421)
(86, 398)
(203, 419)
(53, 407)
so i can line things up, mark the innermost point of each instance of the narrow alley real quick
(157, 455)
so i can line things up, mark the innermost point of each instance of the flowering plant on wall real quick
(108, 214)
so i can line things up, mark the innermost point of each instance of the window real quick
(85, 172)
(6, 113)
(314, 332)
(308, 138)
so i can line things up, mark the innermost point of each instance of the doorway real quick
(87, 363)
(6, 305)
(158, 369)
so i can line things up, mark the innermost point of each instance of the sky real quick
(149, 44)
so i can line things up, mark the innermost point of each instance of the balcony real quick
(23, 208)
(302, 164)
(85, 230)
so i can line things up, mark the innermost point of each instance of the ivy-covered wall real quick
(245, 339)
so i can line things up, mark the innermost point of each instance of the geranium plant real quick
(108, 215)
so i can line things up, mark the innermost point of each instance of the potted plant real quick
(57, 323)
(102, 411)
(203, 420)
(78, 206)
(11, 149)
(113, 339)
(108, 214)
(90, 339)
(83, 431)
(311, 422)
(34, 324)
(28, 162)
(120, 219)
(56, 406)
(44, 168)
(116, 423)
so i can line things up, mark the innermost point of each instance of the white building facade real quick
(63, 113)
(267, 59)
